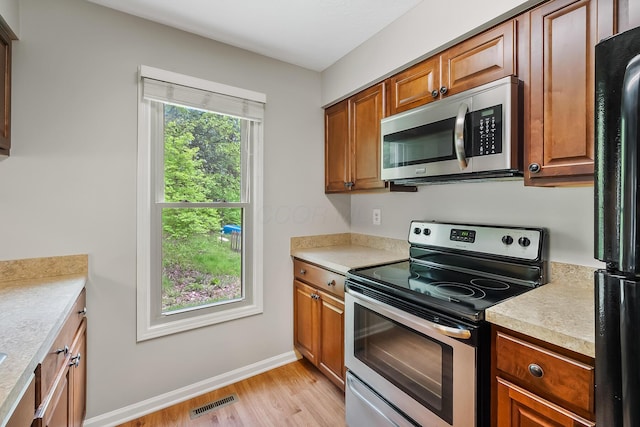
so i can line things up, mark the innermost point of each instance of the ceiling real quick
(310, 33)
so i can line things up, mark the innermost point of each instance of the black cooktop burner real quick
(463, 294)
(457, 291)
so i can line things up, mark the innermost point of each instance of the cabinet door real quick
(518, 407)
(305, 321)
(5, 90)
(414, 86)
(366, 111)
(54, 410)
(336, 147)
(331, 356)
(23, 414)
(78, 378)
(479, 60)
(563, 37)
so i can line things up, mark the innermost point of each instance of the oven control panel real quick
(513, 242)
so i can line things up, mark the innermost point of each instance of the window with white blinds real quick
(199, 191)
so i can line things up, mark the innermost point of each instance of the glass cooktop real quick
(454, 292)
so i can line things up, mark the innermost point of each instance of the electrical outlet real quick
(376, 217)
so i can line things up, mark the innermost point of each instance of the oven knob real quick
(426, 231)
(507, 240)
(524, 241)
(416, 230)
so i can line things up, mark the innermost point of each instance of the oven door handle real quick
(459, 136)
(460, 333)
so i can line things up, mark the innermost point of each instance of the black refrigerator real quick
(617, 234)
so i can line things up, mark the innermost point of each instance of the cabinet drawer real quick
(47, 370)
(546, 372)
(326, 280)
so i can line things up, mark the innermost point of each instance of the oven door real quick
(415, 365)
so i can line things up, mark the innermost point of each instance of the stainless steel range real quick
(417, 346)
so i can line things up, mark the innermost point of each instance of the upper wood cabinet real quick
(559, 129)
(415, 86)
(336, 147)
(5, 88)
(481, 59)
(473, 62)
(352, 142)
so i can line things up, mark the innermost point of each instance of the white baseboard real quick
(162, 401)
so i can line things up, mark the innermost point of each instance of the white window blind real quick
(201, 94)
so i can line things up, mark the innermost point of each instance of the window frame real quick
(151, 322)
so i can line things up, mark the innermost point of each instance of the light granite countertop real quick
(36, 295)
(560, 312)
(342, 252)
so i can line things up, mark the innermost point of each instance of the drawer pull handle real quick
(64, 350)
(75, 360)
(331, 283)
(303, 271)
(536, 370)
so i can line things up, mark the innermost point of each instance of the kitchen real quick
(70, 181)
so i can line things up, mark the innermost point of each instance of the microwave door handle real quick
(459, 136)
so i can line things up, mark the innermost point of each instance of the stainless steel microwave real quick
(470, 135)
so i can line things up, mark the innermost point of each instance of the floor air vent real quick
(212, 406)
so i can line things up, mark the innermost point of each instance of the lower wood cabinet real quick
(318, 311)
(518, 407)
(61, 378)
(540, 385)
(23, 414)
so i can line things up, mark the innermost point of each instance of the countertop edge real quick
(552, 336)
(539, 312)
(363, 256)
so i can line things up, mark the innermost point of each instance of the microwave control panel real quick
(487, 131)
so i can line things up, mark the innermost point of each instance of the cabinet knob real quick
(348, 184)
(75, 360)
(534, 168)
(444, 90)
(331, 283)
(536, 370)
(83, 312)
(303, 271)
(434, 93)
(64, 350)
(315, 296)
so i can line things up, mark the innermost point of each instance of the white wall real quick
(424, 29)
(70, 185)
(566, 212)
(9, 11)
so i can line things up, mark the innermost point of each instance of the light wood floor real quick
(296, 394)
